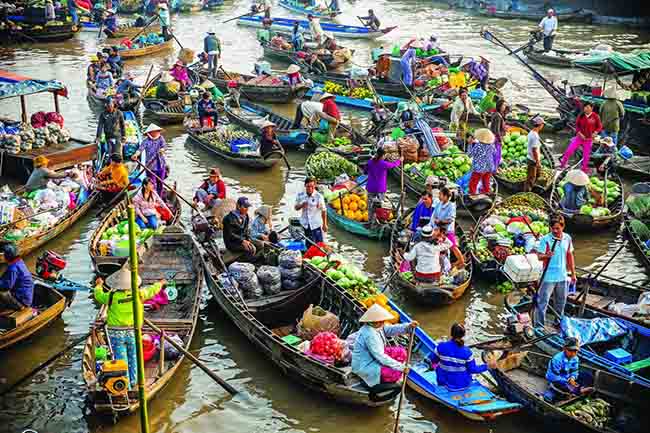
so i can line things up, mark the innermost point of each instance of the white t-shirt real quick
(428, 256)
(548, 25)
(315, 28)
(312, 215)
(310, 108)
(533, 142)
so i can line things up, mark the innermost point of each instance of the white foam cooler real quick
(523, 268)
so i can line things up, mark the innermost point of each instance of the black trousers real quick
(548, 43)
(297, 121)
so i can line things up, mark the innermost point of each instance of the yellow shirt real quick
(117, 173)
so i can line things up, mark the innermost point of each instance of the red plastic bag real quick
(54, 117)
(38, 119)
(164, 213)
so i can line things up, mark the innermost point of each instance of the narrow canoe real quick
(266, 332)
(524, 382)
(338, 30)
(638, 245)
(190, 5)
(130, 31)
(169, 112)
(239, 159)
(580, 222)
(145, 51)
(53, 33)
(174, 256)
(48, 303)
(636, 168)
(575, 16)
(430, 296)
(358, 151)
(281, 93)
(106, 265)
(289, 56)
(383, 87)
(361, 104)
(476, 402)
(213, 4)
(251, 116)
(563, 58)
(635, 341)
(380, 232)
(300, 8)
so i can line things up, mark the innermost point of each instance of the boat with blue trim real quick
(311, 9)
(348, 101)
(338, 30)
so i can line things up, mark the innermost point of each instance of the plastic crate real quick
(619, 356)
(523, 268)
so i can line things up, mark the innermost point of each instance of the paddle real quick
(282, 154)
(176, 39)
(228, 76)
(247, 14)
(225, 385)
(401, 395)
(154, 18)
(146, 85)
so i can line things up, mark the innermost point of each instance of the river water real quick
(53, 400)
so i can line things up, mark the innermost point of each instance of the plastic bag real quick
(290, 259)
(270, 279)
(291, 273)
(315, 320)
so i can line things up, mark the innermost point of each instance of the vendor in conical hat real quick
(482, 153)
(166, 88)
(575, 191)
(612, 113)
(119, 318)
(269, 139)
(368, 357)
(154, 146)
(210, 87)
(179, 72)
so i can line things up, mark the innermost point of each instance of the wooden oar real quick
(154, 18)
(247, 14)
(228, 76)
(401, 395)
(146, 86)
(225, 385)
(176, 39)
(585, 292)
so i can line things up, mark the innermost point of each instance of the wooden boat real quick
(48, 304)
(338, 30)
(289, 56)
(635, 340)
(574, 16)
(361, 104)
(359, 150)
(524, 382)
(577, 221)
(248, 160)
(541, 187)
(491, 269)
(168, 112)
(282, 93)
(465, 203)
(636, 168)
(476, 402)
(145, 51)
(600, 294)
(130, 30)
(213, 4)
(131, 8)
(106, 265)
(174, 256)
(638, 245)
(430, 295)
(99, 101)
(563, 59)
(250, 117)
(383, 87)
(380, 232)
(190, 5)
(300, 8)
(50, 33)
(266, 329)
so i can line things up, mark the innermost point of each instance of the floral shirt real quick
(482, 157)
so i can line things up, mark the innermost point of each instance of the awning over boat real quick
(14, 85)
(619, 63)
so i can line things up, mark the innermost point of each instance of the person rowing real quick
(371, 21)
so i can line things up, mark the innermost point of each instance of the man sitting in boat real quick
(371, 21)
(150, 209)
(207, 109)
(115, 177)
(427, 253)
(562, 373)
(127, 90)
(16, 284)
(119, 319)
(41, 174)
(236, 232)
(314, 64)
(454, 362)
(297, 38)
(575, 191)
(115, 62)
(212, 190)
(92, 70)
(368, 357)
(295, 78)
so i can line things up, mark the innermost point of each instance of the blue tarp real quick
(12, 86)
(589, 331)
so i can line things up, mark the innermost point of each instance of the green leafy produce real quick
(329, 165)
(453, 165)
(639, 205)
(640, 229)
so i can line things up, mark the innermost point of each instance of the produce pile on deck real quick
(229, 138)
(141, 41)
(639, 207)
(338, 89)
(597, 187)
(45, 129)
(329, 165)
(346, 276)
(115, 239)
(60, 198)
(451, 164)
(353, 204)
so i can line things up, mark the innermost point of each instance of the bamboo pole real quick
(401, 395)
(137, 322)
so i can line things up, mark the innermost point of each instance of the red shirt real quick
(330, 108)
(588, 125)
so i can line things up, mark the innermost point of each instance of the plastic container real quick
(523, 268)
(293, 245)
(121, 248)
(619, 356)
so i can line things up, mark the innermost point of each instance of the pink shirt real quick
(145, 207)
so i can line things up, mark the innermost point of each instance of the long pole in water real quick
(137, 322)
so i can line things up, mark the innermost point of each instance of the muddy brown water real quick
(53, 400)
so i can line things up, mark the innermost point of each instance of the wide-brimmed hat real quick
(571, 343)
(578, 178)
(427, 231)
(207, 84)
(292, 69)
(430, 180)
(152, 128)
(40, 161)
(166, 77)
(267, 123)
(324, 96)
(94, 58)
(484, 135)
(610, 93)
(179, 63)
(264, 211)
(121, 280)
(214, 171)
(538, 120)
(376, 313)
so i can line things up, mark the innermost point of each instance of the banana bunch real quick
(335, 89)
(361, 93)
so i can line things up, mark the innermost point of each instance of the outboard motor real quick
(49, 265)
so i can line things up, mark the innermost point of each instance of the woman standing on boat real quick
(154, 146)
(119, 319)
(368, 355)
(377, 170)
(498, 128)
(588, 125)
(408, 61)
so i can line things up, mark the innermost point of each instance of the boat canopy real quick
(617, 63)
(13, 85)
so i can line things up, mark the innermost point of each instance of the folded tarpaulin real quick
(621, 63)
(596, 330)
(13, 85)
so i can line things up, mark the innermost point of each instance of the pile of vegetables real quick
(452, 165)
(338, 89)
(117, 238)
(327, 344)
(329, 165)
(224, 136)
(639, 205)
(519, 173)
(505, 287)
(515, 147)
(596, 412)
(598, 186)
(348, 277)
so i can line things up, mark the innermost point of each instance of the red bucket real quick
(383, 214)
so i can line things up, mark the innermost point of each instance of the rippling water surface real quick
(53, 400)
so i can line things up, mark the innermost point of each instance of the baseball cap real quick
(243, 202)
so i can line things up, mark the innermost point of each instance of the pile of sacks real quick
(409, 146)
(24, 137)
(246, 278)
(270, 279)
(290, 262)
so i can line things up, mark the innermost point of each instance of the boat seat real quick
(638, 365)
(10, 319)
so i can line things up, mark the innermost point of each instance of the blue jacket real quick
(368, 353)
(455, 365)
(204, 105)
(574, 197)
(561, 369)
(18, 280)
(211, 43)
(421, 211)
